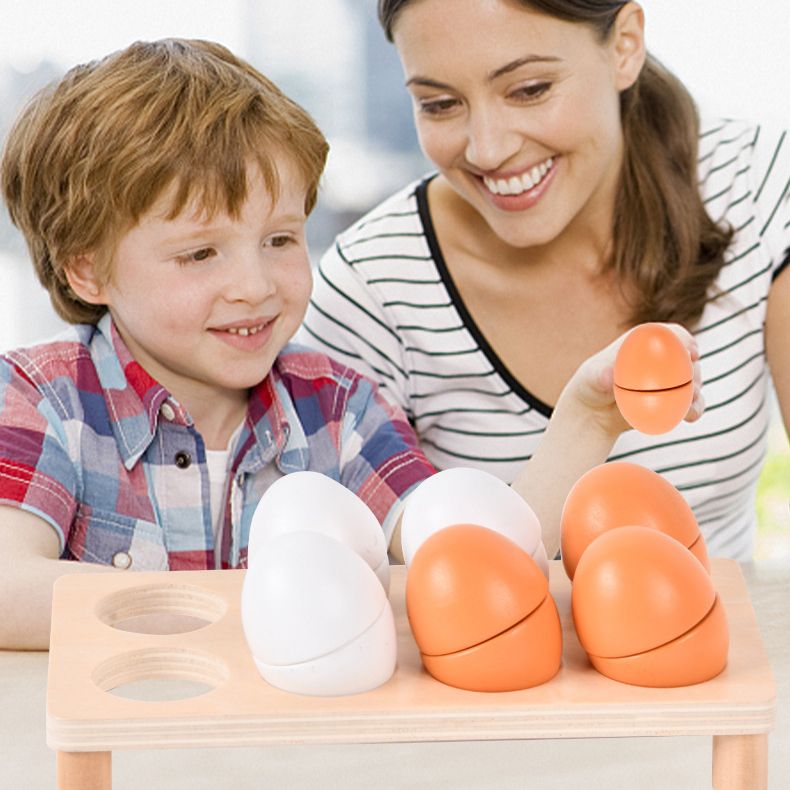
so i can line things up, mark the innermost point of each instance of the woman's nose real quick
(490, 140)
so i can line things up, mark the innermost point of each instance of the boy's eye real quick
(202, 254)
(282, 240)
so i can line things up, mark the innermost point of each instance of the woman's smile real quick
(520, 192)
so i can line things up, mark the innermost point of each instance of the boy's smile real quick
(247, 336)
(205, 304)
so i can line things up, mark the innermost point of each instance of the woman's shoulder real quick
(730, 148)
(398, 214)
(743, 168)
(724, 143)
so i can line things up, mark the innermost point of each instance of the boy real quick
(163, 192)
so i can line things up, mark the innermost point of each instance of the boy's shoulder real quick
(299, 365)
(62, 358)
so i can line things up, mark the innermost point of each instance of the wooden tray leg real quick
(84, 770)
(740, 762)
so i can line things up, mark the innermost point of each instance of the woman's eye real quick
(436, 106)
(532, 91)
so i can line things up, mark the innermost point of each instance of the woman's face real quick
(519, 111)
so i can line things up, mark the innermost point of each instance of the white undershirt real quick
(217, 462)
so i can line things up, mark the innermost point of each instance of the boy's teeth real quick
(515, 185)
(244, 331)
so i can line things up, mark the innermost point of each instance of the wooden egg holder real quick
(88, 657)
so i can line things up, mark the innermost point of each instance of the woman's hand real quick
(592, 386)
(571, 445)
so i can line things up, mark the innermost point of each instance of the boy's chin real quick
(254, 375)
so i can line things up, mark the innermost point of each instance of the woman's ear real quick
(81, 275)
(629, 45)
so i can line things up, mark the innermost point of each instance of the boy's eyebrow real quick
(197, 231)
(491, 76)
(291, 218)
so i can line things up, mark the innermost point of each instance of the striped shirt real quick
(384, 302)
(93, 445)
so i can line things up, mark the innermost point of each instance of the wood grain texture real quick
(84, 770)
(88, 656)
(740, 761)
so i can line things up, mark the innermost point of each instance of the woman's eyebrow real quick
(506, 69)
(517, 64)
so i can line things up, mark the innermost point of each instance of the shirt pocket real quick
(109, 538)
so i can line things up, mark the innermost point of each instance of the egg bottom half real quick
(527, 654)
(654, 411)
(700, 551)
(360, 665)
(694, 657)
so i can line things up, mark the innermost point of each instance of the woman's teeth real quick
(515, 185)
(244, 330)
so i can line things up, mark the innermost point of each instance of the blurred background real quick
(331, 56)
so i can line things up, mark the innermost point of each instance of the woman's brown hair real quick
(667, 251)
(91, 153)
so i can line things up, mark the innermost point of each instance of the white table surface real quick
(646, 763)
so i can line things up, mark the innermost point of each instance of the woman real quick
(576, 196)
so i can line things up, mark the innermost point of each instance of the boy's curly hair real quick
(91, 153)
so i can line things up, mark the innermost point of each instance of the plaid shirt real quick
(96, 447)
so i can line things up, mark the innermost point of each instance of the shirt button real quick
(167, 411)
(183, 460)
(121, 560)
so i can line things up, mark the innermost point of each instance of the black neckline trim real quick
(421, 193)
(782, 266)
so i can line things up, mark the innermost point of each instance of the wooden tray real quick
(88, 656)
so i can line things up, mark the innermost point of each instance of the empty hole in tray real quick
(160, 674)
(160, 609)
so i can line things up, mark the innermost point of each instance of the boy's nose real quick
(490, 141)
(250, 279)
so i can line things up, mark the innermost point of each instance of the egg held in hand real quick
(481, 612)
(617, 494)
(653, 379)
(646, 611)
(314, 502)
(316, 618)
(470, 496)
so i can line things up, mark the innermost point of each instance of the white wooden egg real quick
(314, 502)
(470, 496)
(316, 617)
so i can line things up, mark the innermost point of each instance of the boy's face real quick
(205, 306)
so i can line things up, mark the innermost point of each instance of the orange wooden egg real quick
(480, 611)
(646, 612)
(653, 375)
(620, 493)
